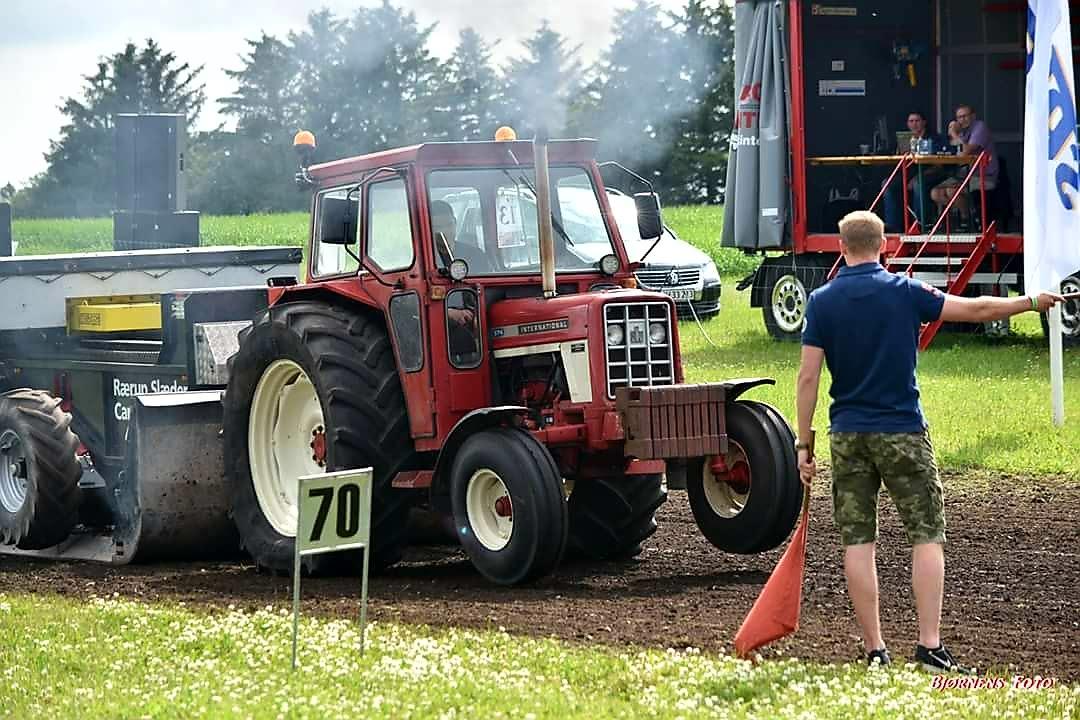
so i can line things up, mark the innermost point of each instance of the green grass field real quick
(987, 401)
(111, 658)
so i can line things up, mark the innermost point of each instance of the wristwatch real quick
(802, 446)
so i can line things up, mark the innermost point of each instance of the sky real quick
(48, 46)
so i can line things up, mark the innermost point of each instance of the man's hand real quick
(954, 130)
(1048, 300)
(462, 316)
(807, 467)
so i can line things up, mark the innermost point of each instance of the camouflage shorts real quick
(905, 463)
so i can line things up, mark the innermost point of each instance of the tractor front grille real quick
(637, 361)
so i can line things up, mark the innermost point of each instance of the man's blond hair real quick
(862, 232)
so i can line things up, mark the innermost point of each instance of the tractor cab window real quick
(488, 218)
(390, 240)
(463, 328)
(336, 214)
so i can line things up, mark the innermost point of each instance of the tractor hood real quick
(522, 322)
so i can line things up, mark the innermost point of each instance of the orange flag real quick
(776, 611)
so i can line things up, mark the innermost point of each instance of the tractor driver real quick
(444, 222)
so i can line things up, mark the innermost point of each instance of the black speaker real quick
(149, 230)
(150, 163)
(5, 230)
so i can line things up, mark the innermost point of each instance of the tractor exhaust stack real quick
(543, 211)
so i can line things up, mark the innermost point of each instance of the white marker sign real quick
(334, 513)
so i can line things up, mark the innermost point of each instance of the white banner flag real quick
(1051, 155)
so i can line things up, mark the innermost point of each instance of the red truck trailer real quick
(823, 92)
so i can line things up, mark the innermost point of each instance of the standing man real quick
(971, 136)
(864, 325)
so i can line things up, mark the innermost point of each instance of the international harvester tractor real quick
(467, 324)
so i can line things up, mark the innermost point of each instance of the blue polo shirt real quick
(867, 322)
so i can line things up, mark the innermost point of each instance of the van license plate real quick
(680, 293)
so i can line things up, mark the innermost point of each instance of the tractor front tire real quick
(611, 517)
(39, 473)
(748, 508)
(313, 388)
(508, 505)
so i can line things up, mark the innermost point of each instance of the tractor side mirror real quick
(649, 221)
(339, 221)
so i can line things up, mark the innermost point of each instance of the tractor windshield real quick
(488, 218)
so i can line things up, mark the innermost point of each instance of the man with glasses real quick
(971, 136)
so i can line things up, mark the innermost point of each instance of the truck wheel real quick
(784, 309)
(508, 505)
(39, 474)
(1070, 314)
(313, 388)
(611, 517)
(742, 504)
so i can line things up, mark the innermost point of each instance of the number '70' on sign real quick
(335, 511)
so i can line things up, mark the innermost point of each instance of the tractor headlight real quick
(657, 333)
(609, 264)
(459, 270)
(615, 335)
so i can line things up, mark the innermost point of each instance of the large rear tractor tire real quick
(508, 504)
(39, 474)
(612, 517)
(313, 388)
(747, 500)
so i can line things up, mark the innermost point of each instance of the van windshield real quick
(487, 216)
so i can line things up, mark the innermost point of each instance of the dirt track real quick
(1012, 587)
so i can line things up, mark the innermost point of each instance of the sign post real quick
(333, 514)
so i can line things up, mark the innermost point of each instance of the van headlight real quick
(709, 274)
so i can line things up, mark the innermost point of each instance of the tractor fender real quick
(472, 422)
(734, 388)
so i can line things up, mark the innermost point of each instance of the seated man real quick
(444, 222)
(920, 179)
(971, 136)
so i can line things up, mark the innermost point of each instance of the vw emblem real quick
(673, 277)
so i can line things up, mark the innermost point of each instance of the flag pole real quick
(1057, 377)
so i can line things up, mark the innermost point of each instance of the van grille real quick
(667, 276)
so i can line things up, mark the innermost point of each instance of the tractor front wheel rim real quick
(489, 509)
(728, 494)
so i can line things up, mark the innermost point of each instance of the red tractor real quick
(471, 329)
(468, 325)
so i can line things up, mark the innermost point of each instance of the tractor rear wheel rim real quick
(789, 303)
(724, 499)
(489, 509)
(13, 480)
(285, 417)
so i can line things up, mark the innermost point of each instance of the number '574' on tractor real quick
(468, 325)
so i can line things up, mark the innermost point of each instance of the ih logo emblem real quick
(673, 277)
